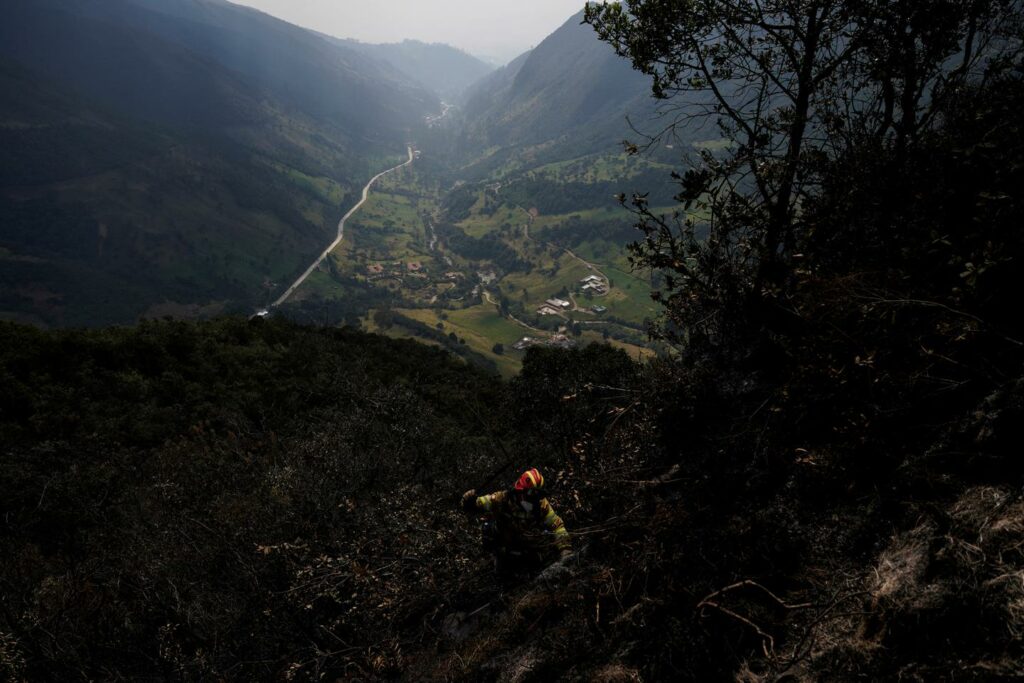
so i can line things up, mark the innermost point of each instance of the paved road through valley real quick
(341, 232)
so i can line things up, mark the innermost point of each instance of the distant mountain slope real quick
(177, 154)
(492, 88)
(442, 68)
(571, 93)
(143, 56)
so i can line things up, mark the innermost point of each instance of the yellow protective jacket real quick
(538, 528)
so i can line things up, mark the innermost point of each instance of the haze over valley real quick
(191, 159)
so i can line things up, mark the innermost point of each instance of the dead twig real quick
(755, 584)
(767, 642)
(936, 304)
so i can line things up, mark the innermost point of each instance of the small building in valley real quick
(559, 341)
(524, 343)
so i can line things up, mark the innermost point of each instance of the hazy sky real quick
(498, 29)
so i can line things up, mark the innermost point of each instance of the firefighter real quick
(520, 526)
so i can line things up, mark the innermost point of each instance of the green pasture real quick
(597, 168)
(479, 224)
(637, 353)
(481, 327)
(612, 213)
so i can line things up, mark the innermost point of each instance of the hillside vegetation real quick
(157, 161)
(566, 98)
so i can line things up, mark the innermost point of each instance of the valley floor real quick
(491, 278)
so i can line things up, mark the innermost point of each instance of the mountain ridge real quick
(570, 94)
(443, 68)
(137, 137)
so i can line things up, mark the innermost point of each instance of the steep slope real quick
(102, 217)
(114, 51)
(571, 94)
(230, 501)
(443, 69)
(184, 155)
(492, 88)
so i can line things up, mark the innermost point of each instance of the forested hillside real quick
(172, 158)
(566, 98)
(188, 467)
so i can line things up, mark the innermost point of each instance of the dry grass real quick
(12, 662)
(615, 673)
(531, 607)
(956, 578)
(521, 664)
(900, 568)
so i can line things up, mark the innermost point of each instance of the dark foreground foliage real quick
(187, 501)
(262, 501)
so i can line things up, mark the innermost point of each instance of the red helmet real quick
(531, 479)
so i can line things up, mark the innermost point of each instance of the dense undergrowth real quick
(235, 500)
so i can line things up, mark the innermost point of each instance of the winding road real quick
(341, 232)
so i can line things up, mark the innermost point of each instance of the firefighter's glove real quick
(469, 501)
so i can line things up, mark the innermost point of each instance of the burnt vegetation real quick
(824, 482)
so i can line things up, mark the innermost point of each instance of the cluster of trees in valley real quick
(488, 247)
(550, 195)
